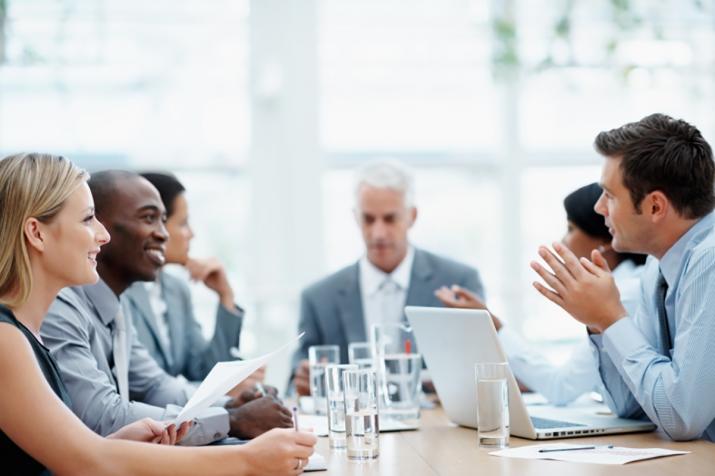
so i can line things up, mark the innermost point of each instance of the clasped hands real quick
(583, 288)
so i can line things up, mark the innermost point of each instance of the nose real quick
(600, 206)
(102, 236)
(161, 233)
(379, 229)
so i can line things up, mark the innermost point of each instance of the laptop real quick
(453, 340)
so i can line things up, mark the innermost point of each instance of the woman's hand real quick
(280, 451)
(152, 431)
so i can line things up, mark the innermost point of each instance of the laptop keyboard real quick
(545, 423)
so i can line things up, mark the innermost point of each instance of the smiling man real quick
(392, 273)
(111, 378)
(658, 178)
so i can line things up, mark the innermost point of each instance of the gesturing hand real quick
(585, 289)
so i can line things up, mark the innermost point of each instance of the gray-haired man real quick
(340, 308)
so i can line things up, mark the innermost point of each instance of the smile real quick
(156, 256)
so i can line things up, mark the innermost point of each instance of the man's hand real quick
(457, 296)
(257, 416)
(302, 378)
(585, 289)
(249, 384)
(211, 272)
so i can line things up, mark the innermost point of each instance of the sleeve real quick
(94, 397)
(560, 385)
(663, 386)
(307, 323)
(473, 282)
(149, 383)
(203, 355)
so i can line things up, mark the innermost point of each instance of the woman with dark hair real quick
(586, 231)
(163, 312)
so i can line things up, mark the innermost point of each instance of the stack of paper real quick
(598, 455)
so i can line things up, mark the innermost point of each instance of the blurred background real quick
(264, 107)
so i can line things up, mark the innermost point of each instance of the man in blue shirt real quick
(658, 178)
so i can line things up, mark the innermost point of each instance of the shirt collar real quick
(371, 277)
(671, 262)
(105, 302)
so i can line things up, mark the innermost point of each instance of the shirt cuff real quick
(621, 339)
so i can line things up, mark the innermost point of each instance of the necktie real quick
(119, 350)
(390, 301)
(666, 343)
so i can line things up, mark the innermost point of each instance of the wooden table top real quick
(441, 448)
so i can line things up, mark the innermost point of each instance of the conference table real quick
(441, 448)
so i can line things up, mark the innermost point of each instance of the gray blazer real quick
(331, 309)
(189, 354)
(77, 330)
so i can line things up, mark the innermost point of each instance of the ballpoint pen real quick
(575, 448)
(260, 389)
(295, 418)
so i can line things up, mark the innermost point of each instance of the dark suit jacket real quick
(189, 353)
(331, 309)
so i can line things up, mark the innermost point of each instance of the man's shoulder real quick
(69, 310)
(444, 264)
(332, 282)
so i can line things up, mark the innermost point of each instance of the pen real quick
(551, 450)
(295, 418)
(260, 388)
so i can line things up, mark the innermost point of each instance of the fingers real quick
(171, 435)
(549, 278)
(570, 260)
(599, 261)
(183, 430)
(549, 294)
(156, 427)
(558, 268)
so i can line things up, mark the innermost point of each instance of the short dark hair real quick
(665, 154)
(168, 186)
(104, 186)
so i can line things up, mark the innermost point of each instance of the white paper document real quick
(599, 455)
(222, 378)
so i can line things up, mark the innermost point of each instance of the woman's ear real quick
(34, 234)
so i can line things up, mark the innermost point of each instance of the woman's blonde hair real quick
(31, 185)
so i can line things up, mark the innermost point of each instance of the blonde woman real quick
(50, 240)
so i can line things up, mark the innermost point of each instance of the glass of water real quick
(360, 354)
(336, 403)
(402, 386)
(492, 404)
(362, 429)
(319, 357)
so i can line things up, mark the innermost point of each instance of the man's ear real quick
(658, 205)
(34, 234)
(413, 215)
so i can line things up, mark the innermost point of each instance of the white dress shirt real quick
(384, 295)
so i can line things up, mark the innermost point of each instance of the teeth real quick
(157, 256)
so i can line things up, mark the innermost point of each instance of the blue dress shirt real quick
(674, 391)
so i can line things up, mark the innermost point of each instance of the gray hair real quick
(388, 174)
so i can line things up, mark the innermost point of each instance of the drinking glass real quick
(492, 404)
(336, 403)
(319, 356)
(402, 386)
(360, 354)
(362, 428)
